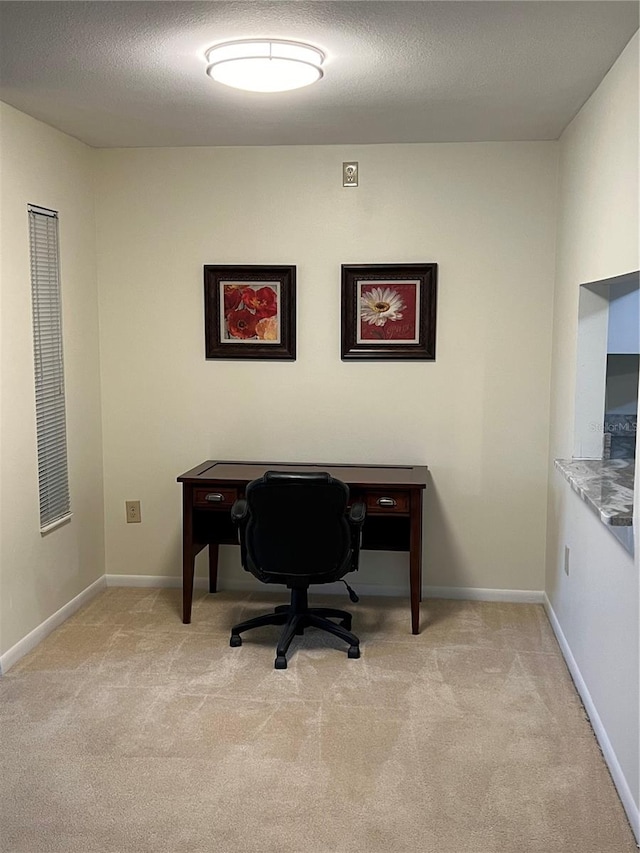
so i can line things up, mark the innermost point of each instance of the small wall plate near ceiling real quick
(265, 65)
(350, 174)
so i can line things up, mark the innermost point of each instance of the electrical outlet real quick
(566, 560)
(133, 512)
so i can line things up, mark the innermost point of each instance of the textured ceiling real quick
(133, 73)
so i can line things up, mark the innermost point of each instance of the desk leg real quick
(415, 560)
(188, 565)
(188, 554)
(213, 566)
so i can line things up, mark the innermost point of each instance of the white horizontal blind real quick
(53, 475)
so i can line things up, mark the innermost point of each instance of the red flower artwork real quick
(245, 307)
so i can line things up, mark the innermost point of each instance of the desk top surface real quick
(355, 475)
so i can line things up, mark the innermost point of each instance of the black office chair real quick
(294, 529)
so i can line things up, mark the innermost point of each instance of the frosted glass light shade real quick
(265, 65)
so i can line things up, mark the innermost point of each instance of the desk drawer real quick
(214, 498)
(387, 502)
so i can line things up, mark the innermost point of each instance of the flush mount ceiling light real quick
(265, 65)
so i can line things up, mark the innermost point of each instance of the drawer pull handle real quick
(215, 497)
(386, 502)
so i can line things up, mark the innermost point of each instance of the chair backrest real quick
(297, 530)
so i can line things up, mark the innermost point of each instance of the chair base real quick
(295, 618)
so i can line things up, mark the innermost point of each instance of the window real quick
(51, 430)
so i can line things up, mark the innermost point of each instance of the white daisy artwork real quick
(388, 311)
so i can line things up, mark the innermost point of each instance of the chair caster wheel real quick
(236, 640)
(281, 662)
(354, 652)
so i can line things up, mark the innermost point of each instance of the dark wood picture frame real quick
(248, 337)
(370, 335)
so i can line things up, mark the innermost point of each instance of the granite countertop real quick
(606, 485)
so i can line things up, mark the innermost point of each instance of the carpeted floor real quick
(126, 731)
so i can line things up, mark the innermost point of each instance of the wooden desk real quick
(393, 497)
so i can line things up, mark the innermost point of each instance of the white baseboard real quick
(248, 583)
(43, 630)
(619, 780)
(152, 581)
(241, 584)
(471, 593)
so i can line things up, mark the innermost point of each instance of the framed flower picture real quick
(250, 312)
(389, 311)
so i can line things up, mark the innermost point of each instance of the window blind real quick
(51, 430)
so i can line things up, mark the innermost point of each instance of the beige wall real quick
(41, 574)
(478, 416)
(597, 604)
